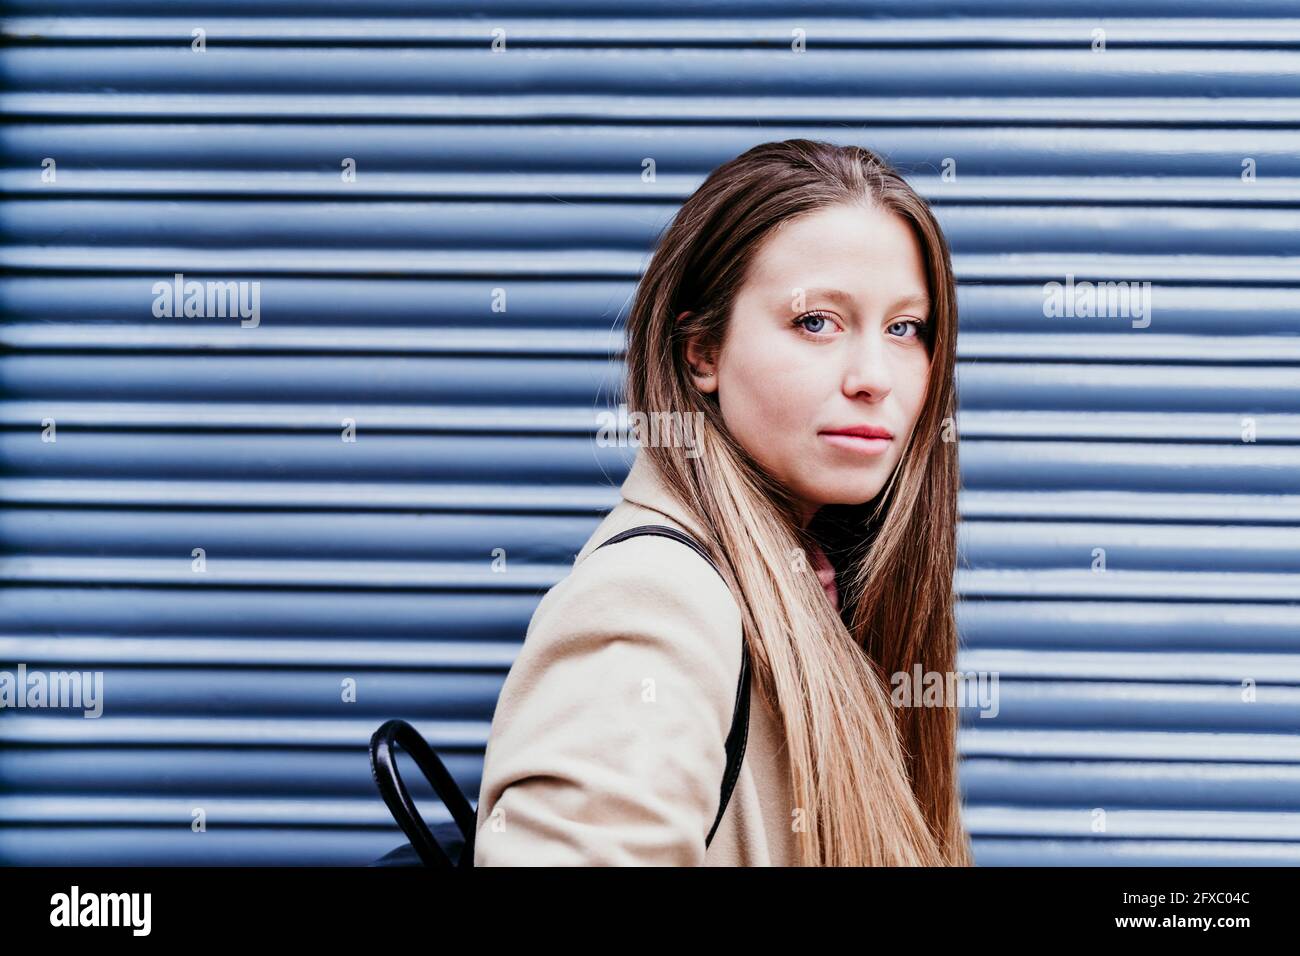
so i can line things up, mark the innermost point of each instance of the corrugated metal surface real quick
(329, 560)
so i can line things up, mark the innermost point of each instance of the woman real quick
(804, 291)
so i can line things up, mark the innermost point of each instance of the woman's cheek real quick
(757, 411)
(917, 381)
(775, 389)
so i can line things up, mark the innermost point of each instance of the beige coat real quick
(608, 743)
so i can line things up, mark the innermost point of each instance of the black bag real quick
(451, 844)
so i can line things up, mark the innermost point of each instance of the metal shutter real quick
(521, 171)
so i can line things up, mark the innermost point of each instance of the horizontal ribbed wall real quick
(521, 171)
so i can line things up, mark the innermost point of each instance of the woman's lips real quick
(857, 443)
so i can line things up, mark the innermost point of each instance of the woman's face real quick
(824, 336)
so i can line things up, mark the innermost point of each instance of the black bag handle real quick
(383, 764)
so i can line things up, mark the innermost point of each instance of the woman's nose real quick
(867, 372)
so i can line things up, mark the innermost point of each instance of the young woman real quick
(801, 302)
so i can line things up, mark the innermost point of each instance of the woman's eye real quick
(820, 322)
(915, 324)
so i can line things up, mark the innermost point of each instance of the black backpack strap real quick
(739, 734)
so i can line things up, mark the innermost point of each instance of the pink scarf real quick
(826, 574)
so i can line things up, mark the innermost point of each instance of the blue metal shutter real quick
(372, 560)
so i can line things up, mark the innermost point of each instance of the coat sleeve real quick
(608, 743)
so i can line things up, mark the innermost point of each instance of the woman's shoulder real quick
(645, 597)
(611, 726)
(647, 574)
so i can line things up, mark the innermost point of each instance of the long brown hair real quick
(873, 784)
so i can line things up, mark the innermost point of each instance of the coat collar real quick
(645, 486)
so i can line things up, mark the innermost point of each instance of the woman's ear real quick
(701, 361)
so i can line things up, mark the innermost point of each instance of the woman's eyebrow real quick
(834, 295)
(847, 299)
(918, 298)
